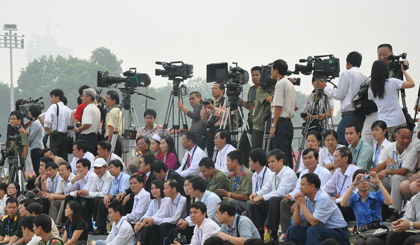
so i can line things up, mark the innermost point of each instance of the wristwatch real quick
(272, 125)
(411, 226)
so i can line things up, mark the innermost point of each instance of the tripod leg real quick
(120, 117)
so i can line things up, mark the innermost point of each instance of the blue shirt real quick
(369, 211)
(119, 184)
(247, 229)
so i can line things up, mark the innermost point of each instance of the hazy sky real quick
(202, 32)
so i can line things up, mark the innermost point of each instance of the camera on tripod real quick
(322, 68)
(6, 150)
(268, 83)
(172, 70)
(132, 79)
(395, 62)
(28, 102)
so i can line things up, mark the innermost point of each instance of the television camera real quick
(28, 102)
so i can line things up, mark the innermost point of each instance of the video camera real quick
(173, 71)
(6, 151)
(395, 62)
(268, 83)
(28, 102)
(322, 68)
(132, 79)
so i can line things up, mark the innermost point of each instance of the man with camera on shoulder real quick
(18, 143)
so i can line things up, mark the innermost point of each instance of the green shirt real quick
(244, 184)
(52, 240)
(251, 101)
(218, 181)
(14, 146)
(362, 154)
(11, 227)
(260, 109)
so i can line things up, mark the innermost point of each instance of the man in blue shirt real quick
(318, 209)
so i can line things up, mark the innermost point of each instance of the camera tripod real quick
(16, 169)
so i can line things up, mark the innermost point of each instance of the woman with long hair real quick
(76, 229)
(36, 133)
(380, 135)
(167, 146)
(13, 190)
(313, 141)
(384, 91)
(331, 145)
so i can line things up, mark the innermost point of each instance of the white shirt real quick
(81, 184)
(35, 240)
(154, 209)
(172, 211)
(259, 180)
(408, 159)
(140, 206)
(3, 204)
(321, 155)
(196, 154)
(52, 184)
(377, 152)
(323, 174)
(326, 156)
(221, 159)
(89, 156)
(121, 234)
(100, 186)
(211, 200)
(285, 97)
(64, 117)
(339, 184)
(347, 87)
(114, 156)
(208, 228)
(62, 185)
(280, 184)
(91, 115)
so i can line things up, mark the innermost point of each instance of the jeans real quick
(315, 235)
(342, 126)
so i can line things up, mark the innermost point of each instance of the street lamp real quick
(12, 42)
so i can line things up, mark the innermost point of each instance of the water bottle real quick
(266, 235)
(108, 226)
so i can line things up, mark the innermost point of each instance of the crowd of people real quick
(219, 192)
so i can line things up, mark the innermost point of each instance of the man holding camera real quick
(17, 145)
(284, 106)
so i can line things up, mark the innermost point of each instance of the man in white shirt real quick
(222, 141)
(141, 199)
(57, 117)
(91, 120)
(341, 180)
(80, 151)
(104, 151)
(193, 156)
(83, 178)
(121, 233)
(28, 231)
(347, 87)
(52, 184)
(265, 209)
(262, 174)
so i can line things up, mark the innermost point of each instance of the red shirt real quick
(79, 112)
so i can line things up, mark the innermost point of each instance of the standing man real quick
(222, 141)
(347, 87)
(362, 152)
(112, 100)
(16, 120)
(42, 228)
(194, 154)
(285, 105)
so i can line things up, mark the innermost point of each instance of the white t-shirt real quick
(389, 109)
(91, 115)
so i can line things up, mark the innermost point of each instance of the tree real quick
(103, 57)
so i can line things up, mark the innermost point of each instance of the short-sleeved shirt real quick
(243, 183)
(362, 154)
(312, 108)
(11, 227)
(369, 211)
(246, 229)
(52, 240)
(24, 136)
(412, 211)
(261, 107)
(408, 159)
(79, 111)
(251, 100)
(285, 96)
(80, 225)
(111, 120)
(92, 116)
(218, 181)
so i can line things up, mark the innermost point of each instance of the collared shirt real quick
(323, 174)
(121, 233)
(211, 200)
(347, 87)
(114, 156)
(369, 211)
(51, 240)
(259, 180)
(318, 105)
(154, 209)
(219, 110)
(338, 185)
(91, 115)
(197, 125)
(52, 184)
(140, 206)
(196, 154)
(34, 240)
(324, 209)
(100, 186)
(219, 180)
(157, 129)
(285, 97)
(362, 154)
(120, 184)
(280, 184)
(208, 228)
(247, 228)
(11, 227)
(172, 211)
(412, 211)
(321, 154)
(326, 156)
(378, 151)
(221, 159)
(62, 185)
(111, 121)
(88, 156)
(408, 159)
(64, 117)
(81, 184)
(241, 184)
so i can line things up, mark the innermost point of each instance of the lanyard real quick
(198, 234)
(275, 182)
(377, 152)
(65, 188)
(176, 206)
(358, 152)
(253, 91)
(222, 154)
(149, 133)
(236, 182)
(56, 183)
(393, 151)
(313, 207)
(342, 185)
(262, 179)
(329, 156)
(100, 184)
(8, 226)
(118, 230)
(70, 232)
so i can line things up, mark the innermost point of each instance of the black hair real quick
(359, 171)
(18, 115)
(199, 205)
(190, 135)
(117, 207)
(258, 155)
(198, 183)
(354, 58)
(254, 241)
(412, 240)
(146, 140)
(221, 86)
(214, 240)
(43, 221)
(330, 241)
(149, 158)
(158, 165)
(77, 215)
(173, 184)
(139, 178)
(26, 202)
(236, 155)
(64, 100)
(306, 152)
(207, 162)
(354, 124)
(278, 154)
(171, 147)
(114, 96)
(57, 93)
(224, 135)
(281, 66)
(117, 163)
(3, 186)
(381, 124)
(12, 200)
(312, 178)
(226, 206)
(18, 103)
(81, 145)
(256, 68)
(397, 130)
(68, 166)
(316, 134)
(150, 112)
(85, 162)
(35, 111)
(385, 45)
(35, 208)
(158, 184)
(81, 88)
(45, 150)
(52, 165)
(17, 186)
(345, 152)
(105, 145)
(28, 222)
(196, 93)
(378, 77)
(46, 160)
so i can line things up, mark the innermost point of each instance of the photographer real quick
(18, 145)
(213, 113)
(348, 86)
(262, 105)
(285, 105)
(36, 132)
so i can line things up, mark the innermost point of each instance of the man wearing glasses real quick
(142, 148)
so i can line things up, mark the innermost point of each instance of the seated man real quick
(22, 206)
(141, 199)
(338, 185)
(318, 209)
(162, 172)
(216, 178)
(362, 152)
(51, 185)
(236, 229)
(121, 232)
(240, 187)
(222, 140)
(194, 154)
(262, 174)
(104, 151)
(142, 148)
(265, 208)
(29, 237)
(10, 228)
(46, 152)
(396, 161)
(35, 209)
(80, 151)
(82, 181)
(42, 228)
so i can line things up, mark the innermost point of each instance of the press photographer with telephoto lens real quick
(17, 142)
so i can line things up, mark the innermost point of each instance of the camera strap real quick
(58, 113)
(237, 226)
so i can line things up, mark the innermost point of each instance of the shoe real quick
(393, 217)
(100, 231)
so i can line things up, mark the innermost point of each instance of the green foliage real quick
(103, 57)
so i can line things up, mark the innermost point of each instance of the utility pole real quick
(12, 42)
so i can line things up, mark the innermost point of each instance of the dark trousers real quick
(45, 205)
(348, 213)
(58, 145)
(201, 140)
(399, 238)
(187, 232)
(257, 139)
(267, 213)
(66, 201)
(102, 213)
(89, 207)
(315, 235)
(245, 148)
(36, 157)
(283, 139)
(210, 142)
(159, 233)
(92, 142)
(342, 125)
(144, 235)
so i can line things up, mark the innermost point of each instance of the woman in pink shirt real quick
(167, 146)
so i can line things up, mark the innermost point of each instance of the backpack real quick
(361, 101)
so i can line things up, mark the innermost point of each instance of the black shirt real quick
(79, 225)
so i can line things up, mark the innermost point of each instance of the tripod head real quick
(126, 95)
(177, 88)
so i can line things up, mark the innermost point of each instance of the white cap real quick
(99, 162)
(156, 137)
